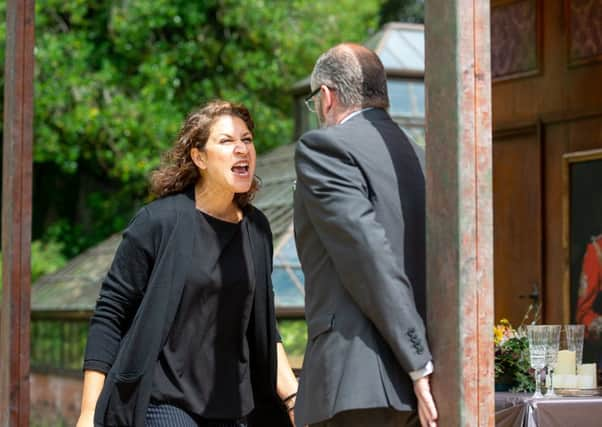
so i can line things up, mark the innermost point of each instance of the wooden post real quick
(16, 213)
(459, 210)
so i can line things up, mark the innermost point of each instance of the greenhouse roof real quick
(400, 47)
(276, 171)
(75, 287)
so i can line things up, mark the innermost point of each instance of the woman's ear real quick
(198, 158)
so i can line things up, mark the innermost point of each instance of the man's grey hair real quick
(355, 73)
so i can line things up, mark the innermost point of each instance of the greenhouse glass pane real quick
(286, 293)
(416, 133)
(418, 95)
(389, 59)
(299, 273)
(399, 97)
(406, 54)
(287, 253)
(415, 39)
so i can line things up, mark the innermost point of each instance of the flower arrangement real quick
(512, 368)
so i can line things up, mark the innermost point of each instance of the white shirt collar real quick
(355, 113)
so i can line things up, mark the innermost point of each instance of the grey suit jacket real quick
(360, 235)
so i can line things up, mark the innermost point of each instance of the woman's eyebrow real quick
(230, 136)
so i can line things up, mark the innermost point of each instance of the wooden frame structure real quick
(459, 210)
(16, 213)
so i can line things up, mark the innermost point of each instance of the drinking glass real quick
(574, 341)
(538, 337)
(552, 347)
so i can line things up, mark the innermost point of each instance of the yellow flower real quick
(498, 334)
(502, 332)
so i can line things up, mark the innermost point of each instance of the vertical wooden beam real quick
(459, 210)
(16, 213)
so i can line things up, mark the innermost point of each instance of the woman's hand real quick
(289, 404)
(86, 419)
(286, 383)
(93, 383)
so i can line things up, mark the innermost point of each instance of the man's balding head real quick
(355, 73)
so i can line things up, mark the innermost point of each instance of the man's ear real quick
(327, 98)
(198, 158)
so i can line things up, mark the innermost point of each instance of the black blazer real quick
(360, 233)
(138, 302)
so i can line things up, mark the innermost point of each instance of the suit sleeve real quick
(120, 294)
(335, 194)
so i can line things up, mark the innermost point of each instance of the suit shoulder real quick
(329, 141)
(320, 136)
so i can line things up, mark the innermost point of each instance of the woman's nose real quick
(241, 147)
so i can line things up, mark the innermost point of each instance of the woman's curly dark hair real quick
(177, 170)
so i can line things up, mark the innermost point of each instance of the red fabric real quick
(589, 286)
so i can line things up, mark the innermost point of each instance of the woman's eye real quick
(224, 141)
(247, 140)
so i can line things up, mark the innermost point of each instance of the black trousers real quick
(373, 417)
(171, 416)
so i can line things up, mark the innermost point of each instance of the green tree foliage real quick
(114, 79)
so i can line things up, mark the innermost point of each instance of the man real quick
(360, 233)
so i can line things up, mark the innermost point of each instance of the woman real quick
(184, 331)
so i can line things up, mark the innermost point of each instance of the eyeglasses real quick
(309, 100)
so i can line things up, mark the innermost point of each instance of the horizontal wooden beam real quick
(521, 127)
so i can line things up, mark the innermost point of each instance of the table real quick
(519, 410)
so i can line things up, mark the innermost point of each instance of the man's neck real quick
(341, 116)
(352, 112)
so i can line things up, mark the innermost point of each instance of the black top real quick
(139, 300)
(203, 367)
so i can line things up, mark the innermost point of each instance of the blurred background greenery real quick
(294, 339)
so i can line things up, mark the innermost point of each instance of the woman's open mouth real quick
(241, 168)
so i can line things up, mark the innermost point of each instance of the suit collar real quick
(353, 114)
(370, 114)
